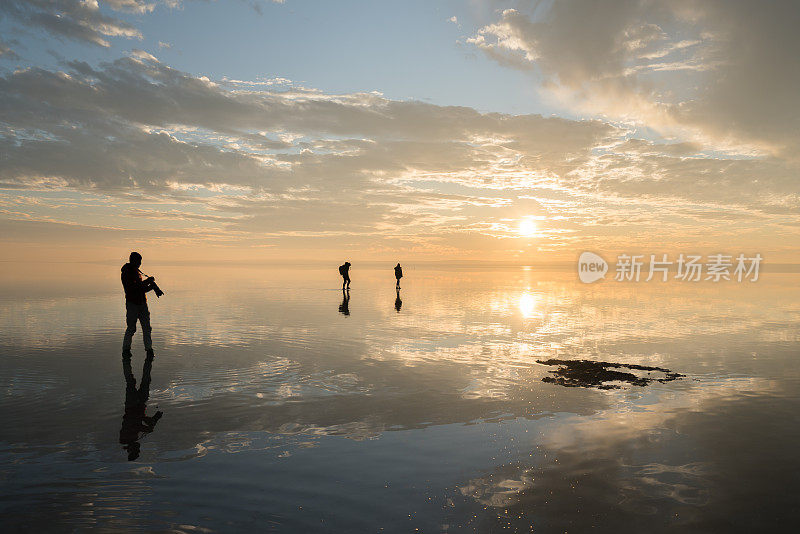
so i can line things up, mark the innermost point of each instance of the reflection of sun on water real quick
(527, 305)
(527, 227)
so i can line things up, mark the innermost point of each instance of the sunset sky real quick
(420, 130)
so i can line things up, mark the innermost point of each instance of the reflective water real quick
(287, 407)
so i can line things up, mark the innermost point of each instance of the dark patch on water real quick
(592, 374)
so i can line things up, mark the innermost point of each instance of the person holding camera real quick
(136, 302)
(344, 270)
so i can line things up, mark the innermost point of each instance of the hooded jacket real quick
(133, 285)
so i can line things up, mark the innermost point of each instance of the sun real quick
(527, 228)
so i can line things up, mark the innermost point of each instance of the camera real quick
(152, 281)
(156, 290)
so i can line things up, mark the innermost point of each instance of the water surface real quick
(290, 407)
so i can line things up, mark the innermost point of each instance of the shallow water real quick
(286, 408)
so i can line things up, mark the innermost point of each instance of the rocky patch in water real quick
(592, 374)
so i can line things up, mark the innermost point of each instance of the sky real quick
(251, 130)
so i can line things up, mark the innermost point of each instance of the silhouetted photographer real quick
(136, 302)
(344, 270)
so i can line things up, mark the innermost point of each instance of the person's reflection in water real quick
(397, 302)
(344, 307)
(135, 424)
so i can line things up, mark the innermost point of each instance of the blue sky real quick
(415, 52)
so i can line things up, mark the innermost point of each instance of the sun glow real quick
(527, 228)
(527, 305)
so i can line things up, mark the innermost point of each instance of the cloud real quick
(262, 161)
(6, 52)
(78, 20)
(83, 20)
(139, 104)
(721, 72)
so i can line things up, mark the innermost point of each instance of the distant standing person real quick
(136, 303)
(344, 270)
(398, 273)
